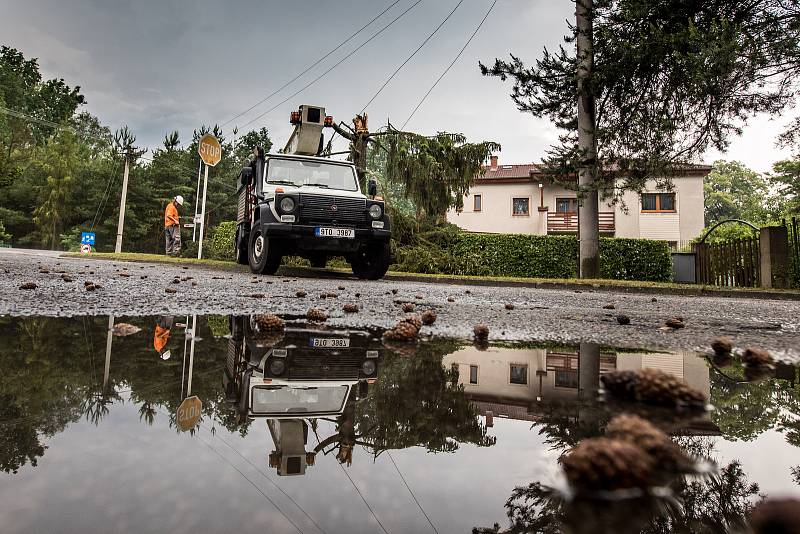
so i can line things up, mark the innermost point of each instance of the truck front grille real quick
(325, 367)
(320, 208)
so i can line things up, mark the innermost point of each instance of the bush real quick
(221, 245)
(531, 256)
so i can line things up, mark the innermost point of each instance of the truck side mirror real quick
(372, 187)
(245, 177)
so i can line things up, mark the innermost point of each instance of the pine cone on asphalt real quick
(350, 308)
(756, 357)
(268, 322)
(668, 456)
(603, 464)
(413, 319)
(609, 307)
(403, 331)
(481, 332)
(623, 319)
(509, 306)
(450, 299)
(722, 346)
(28, 285)
(428, 317)
(653, 386)
(675, 322)
(408, 307)
(317, 315)
(300, 294)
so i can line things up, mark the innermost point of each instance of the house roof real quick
(526, 172)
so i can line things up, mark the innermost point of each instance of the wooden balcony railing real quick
(565, 223)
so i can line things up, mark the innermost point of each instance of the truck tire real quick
(263, 256)
(240, 246)
(371, 262)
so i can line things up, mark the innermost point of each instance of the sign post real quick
(211, 153)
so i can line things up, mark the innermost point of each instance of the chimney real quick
(493, 165)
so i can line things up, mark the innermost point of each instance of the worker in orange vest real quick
(161, 336)
(172, 227)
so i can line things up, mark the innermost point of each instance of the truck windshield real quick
(285, 399)
(311, 173)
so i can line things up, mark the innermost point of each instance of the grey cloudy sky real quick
(159, 66)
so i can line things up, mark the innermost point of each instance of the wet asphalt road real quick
(538, 314)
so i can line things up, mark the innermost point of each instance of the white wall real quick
(496, 215)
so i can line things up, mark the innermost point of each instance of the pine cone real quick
(756, 357)
(328, 295)
(350, 308)
(405, 331)
(481, 332)
(775, 516)
(598, 464)
(317, 315)
(609, 307)
(623, 319)
(428, 317)
(408, 307)
(450, 299)
(675, 322)
(300, 294)
(653, 386)
(509, 306)
(269, 323)
(668, 456)
(722, 346)
(28, 285)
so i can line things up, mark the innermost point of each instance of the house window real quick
(473, 374)
(476, 202)
(521, 206)
(566, 379)
(658, 202)
(518, 374)
(566, 205)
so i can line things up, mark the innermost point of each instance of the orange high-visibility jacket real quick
(160, 338)
(171, 215)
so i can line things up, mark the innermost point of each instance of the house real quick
(521, 199)
(524, 384)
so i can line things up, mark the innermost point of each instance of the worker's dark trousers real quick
(172, 236)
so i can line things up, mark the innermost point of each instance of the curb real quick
(699, 291)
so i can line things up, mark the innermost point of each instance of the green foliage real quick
(671, 79)
(5, 237)
(732, 191)
(436, 172)
(220, 246)
(449, 251)
(786, 179)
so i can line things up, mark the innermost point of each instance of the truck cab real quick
(296, 376)
(299, 203)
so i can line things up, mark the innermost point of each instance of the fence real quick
(794, 251)
(732, 263)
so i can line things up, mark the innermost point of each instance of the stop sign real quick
(210, 150)
(189, 413)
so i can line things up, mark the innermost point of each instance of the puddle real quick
(320, 430)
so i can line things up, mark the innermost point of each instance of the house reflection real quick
(516, 383)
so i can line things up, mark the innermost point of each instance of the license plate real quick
(347, 233)
(329, 342)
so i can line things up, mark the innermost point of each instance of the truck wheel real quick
(263, 257)
(371, 262)
(240, 246)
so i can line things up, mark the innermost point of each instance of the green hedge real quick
(532, 256)
(220, 246)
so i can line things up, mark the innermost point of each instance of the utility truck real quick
(300, 203)
(296, 376)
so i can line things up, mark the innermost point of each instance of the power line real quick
(414, 53)
(317, 62)
(442, 75)
(315, 80)
(31, 118)
(411, 492)
(363, 499)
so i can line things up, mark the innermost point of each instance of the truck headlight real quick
(368, 367)
(287, 204)
(277, 367)
(375, 211)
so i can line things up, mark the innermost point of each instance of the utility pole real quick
(121, 221)
(588, 218)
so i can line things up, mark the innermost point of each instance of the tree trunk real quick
(588, 219)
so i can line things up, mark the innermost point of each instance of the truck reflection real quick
(296, 378)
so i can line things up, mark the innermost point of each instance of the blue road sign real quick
(87, 238)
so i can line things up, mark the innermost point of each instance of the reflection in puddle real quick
(92, 419)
